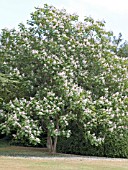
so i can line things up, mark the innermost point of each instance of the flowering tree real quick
(68, 71)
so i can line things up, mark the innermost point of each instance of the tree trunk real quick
(48, 142)
(52, 141)
(51, 144)
(55, 144)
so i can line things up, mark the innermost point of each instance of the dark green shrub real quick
(115, 145)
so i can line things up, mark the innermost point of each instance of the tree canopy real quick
(67, 71)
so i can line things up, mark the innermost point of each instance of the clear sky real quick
(114, 12)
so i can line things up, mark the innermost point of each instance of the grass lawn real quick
(10, 163)
(21, 158)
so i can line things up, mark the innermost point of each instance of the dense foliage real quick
(66, 72)
(114, 145)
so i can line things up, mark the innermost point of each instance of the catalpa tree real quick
(67, 71)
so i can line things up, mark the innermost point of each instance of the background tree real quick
(123, 50)
(121, 47)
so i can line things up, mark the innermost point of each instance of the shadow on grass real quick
(6, 149)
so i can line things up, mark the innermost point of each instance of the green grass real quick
(19, 151)
(20, 158)
(10, 163)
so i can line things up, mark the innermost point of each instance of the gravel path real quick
(69, 158)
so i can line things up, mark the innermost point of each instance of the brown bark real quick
(48, 142)
(52, 141)
(55, 144)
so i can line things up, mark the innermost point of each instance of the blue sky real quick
(114, 12)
